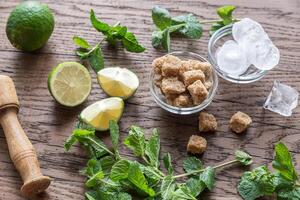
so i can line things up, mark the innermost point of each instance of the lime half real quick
(100, 113)
(70, 83)
(118, 82)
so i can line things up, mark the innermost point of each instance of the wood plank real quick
(48, 124)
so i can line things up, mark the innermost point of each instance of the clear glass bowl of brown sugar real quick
(177, 103)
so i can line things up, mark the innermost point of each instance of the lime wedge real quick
(100, 113)
(118, 82)
(70, 83)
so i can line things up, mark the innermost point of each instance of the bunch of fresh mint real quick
(112, 34)
(185, 25)
(113, 177)
(284, 183)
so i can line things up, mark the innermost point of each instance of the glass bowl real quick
(216, 41)
(160, 99)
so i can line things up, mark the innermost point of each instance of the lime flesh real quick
(118, 82)
(70, 83)
(100, 113)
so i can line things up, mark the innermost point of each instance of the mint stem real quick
(201, 170)
(214, 21)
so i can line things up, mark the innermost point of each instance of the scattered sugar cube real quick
(198, 92)
(190, 77)
(239, 122)
(196, 144)
(207, 122)
(171, 85)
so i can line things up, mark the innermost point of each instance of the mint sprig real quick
(284, 182)
(187, 26)
(112, 34)
(111, 175)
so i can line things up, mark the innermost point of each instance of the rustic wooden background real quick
(48, 124)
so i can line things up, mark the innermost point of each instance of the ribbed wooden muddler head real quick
(8, 95)
(21, 151)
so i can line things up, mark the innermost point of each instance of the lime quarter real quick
(118, 82)
(70, 83)
(101, 112)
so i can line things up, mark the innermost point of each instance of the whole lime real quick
(30, 25)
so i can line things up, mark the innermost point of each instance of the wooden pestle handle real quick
(20, 149)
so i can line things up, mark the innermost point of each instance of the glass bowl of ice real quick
(242, 52)
(183, 82)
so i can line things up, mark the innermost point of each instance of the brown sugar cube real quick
(158, 80)
(190, 77)
(171, 85)
(196, 144)
(198, 92)
(207, 122)
(185, 66)
(183, 100)
(205, 67)
(239, 122)
(157, 64)
(207, 84)
(171, 66)
(170, 98)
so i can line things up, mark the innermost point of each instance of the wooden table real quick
(49, 124)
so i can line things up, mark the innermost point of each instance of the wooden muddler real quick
(20, 149)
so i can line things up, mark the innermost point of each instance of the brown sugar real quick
(171, 85)
(207, 122)
(239, 122)
(198, 92)
(196, 144)
(171, 66)
(190, 77)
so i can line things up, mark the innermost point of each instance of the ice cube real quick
(248, 30)
(232, 59)
(259, 49)
(263, 54)
(282, 99)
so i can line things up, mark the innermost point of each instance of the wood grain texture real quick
(48, 124)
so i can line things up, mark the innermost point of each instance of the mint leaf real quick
(256, 183)
(168, 163)
(289, 194)
(195, 185)
(120, 170)
(82, 43)
(283, 162)
(94, 179)
(131, 44)
(152, 148)
(106, 163)
(136, 141)
(167, 188)
(243, 157)
(93, 166)
(98, 25)
(114, 135)
(208, 177)
(192, 164)
(191, 26)
(156, 38)
(118, 31)
(161, 17)
(216, 26)
(225, 13)
(152, 173)
(137, 178)
(183, 192)
(96, 59)
(82, 54)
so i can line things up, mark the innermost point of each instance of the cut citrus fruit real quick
(118, 82)
(70, 83)
(100, 113)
